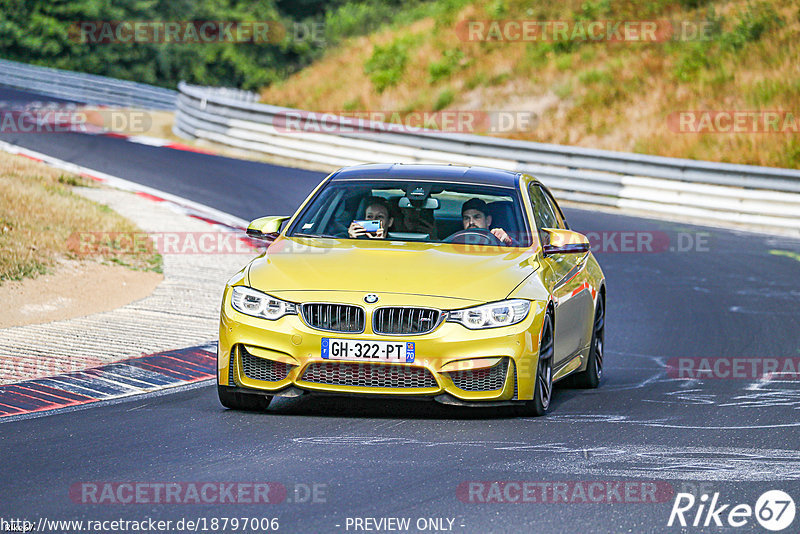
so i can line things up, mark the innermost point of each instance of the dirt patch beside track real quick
(75, 289)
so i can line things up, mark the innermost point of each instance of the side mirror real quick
(266, 227)
(565, 242)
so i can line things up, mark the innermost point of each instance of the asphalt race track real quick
(731, 294)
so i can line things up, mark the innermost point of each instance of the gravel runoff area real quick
(182, 311)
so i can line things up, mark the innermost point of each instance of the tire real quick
(236, 400)
(543, 391)
(590, 378)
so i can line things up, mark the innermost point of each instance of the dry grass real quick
(38, 214)
(606, 95)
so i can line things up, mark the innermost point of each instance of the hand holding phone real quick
(370, 226)
(372, 229)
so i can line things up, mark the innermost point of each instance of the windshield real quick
(415, 211)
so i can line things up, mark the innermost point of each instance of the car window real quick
(543, 211)
(417, 210)
(562, 221)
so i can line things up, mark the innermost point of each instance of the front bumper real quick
(452, 362)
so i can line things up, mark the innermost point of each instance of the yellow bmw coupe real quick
(463, 285)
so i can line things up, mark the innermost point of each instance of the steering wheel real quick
(474, 236)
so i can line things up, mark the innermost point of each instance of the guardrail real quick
(751, 195)
(85, 88)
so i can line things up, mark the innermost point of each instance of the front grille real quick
(369, 375)
(257, 368)
(334, 317)
(487, 379)
(405, 321)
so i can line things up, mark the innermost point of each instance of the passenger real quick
(377, 210)
(419, 221)
(474, 214)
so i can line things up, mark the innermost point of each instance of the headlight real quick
(492, 315)
(258, 304)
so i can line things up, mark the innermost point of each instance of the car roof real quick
(438, 173)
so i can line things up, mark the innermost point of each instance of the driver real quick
(474, 214)
(377, 209)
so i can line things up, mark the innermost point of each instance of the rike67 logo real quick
(774, 510)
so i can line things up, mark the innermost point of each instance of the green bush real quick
(754, 21)
(791, 155)
(444, 99)
(43, 32)
(353, 104)
(537, 54)
(386, 65)
(693, 4)
(564, 62)
(595, 76)
(450, 62)
(476, 80)
(359, 18)
(695, 57)
(38, 32)
(498, 79)
(497, 9)
(362, 17)
(594, 10)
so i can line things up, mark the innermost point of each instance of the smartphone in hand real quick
(371, 227)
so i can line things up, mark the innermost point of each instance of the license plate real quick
(367, 351)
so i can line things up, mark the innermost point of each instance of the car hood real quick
(470, 273)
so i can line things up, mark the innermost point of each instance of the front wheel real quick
(543, 391)
(236, 400)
